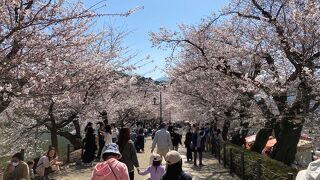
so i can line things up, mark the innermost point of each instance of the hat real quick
(173, 157)
(156, 157)
(112, 148)
(312, 173)
(18, 156)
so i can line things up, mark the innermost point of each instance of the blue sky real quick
(156, 14)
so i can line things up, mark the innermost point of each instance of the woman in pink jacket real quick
(110, 168)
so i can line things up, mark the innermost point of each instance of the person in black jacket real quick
(139, 141)
(175, 138)
(90, 147)
(187, 144)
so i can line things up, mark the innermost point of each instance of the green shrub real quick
(270, 169)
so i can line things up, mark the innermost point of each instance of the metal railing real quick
(238, 163)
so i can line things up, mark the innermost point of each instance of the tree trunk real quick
(74, 139)
(226, 125)
(263, 136)
(4, 104)
(77, 128)
(54, 134)
(286, 147)
(261, 139)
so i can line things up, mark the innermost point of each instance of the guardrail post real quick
(242, 165)
(68, 153)
(231, 162)
(22, 152)
(290, 176)
(259, 169)
(224, 155)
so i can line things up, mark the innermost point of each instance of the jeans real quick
(196, 152)
(189, 154)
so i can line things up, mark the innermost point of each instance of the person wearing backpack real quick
(111, 168)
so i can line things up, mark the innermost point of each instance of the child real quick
(156, 170)
(31, 173)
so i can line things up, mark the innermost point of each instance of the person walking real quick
(128, 151)
(175, 139)
(115, 133)
(162, 140)
(17, 169)
(88, 126)
(218, 139)
(111, 168)
(198, 145)
(100, 138)
(174, 167)
(108, 134)
(156, 170)
(139, 142)
(214, 147)
(90, 146)
(107, 137)
(187, 144)
(208, 136)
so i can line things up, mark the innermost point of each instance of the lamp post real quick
(160, 104)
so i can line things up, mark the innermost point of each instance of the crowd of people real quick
(119, 158)
(116, 151)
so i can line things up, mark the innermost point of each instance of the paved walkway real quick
(211, 170)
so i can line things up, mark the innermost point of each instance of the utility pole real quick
(160, 107)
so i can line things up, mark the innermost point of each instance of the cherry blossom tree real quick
(53, 67)
(32, 32)
(271, 50)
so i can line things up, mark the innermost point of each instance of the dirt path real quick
(211, 170)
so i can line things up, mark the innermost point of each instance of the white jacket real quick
(162, 139)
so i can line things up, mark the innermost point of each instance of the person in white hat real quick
(174, 167)
(311, 173)
(156, 170)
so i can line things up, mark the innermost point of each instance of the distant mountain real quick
(162, 79)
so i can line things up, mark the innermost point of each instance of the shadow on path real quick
(211, 169)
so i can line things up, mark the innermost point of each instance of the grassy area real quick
(270, 169)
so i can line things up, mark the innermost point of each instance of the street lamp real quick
(160, 104)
